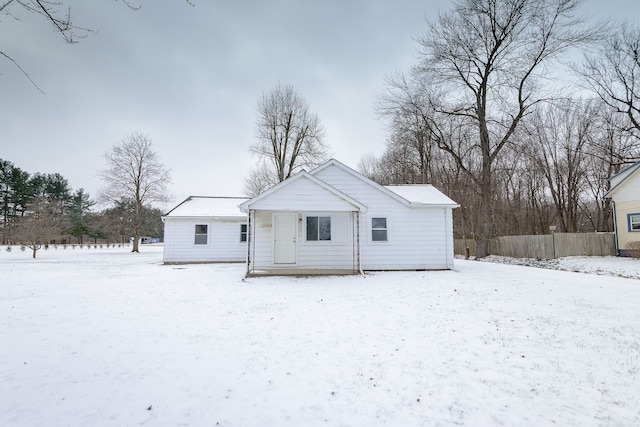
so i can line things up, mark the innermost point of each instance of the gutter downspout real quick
(449, 239)
(359, 244)
(615, 226)
(249, 240)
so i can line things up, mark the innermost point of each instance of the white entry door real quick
(285, 233)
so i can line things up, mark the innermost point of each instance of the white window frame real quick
(243, 233)
(306, 228)
(205, 234)
(372, 229)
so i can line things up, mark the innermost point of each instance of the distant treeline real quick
(41, 208)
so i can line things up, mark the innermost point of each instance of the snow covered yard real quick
(103, 337)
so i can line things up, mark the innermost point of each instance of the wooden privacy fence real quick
(547, 246)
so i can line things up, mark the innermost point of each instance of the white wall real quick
(334, 254)
(418, 238)
(302, 194)
(223, 242)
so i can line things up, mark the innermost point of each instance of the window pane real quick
(378, 222)
(201, 234)
(634, 222)
(379, 235)
(312, 228)
(243, 232)
(325, 227)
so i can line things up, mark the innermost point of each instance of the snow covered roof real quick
(200, 206)
(422, 195)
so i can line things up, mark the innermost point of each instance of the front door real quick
(285, 232)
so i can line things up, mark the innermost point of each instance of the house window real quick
(318, 228)
(379, 229)
(243, 232)
(201, 234)
(634, 221)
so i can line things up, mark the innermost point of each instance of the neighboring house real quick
(333, 220)
(205, 229)
(625, 195)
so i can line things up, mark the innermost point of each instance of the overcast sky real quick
(190, 77)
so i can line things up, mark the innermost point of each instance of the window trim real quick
(386, 229)
(631, 222)
(318, 218)
(243, 233)
(205, 234)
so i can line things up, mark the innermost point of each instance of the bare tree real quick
(290, 138)
(561, 135)
(134, 172)
(40, 225)
(613, 72)
(612, 149)
(260, 179)
(482, 64)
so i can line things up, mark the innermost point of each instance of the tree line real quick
(491, 114)
(41, 208)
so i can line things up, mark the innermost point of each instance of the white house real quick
(205, 229)
(334, 220)
(625, 196)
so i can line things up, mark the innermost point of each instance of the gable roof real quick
(412, 195)
(347, 169)
(621, 177)
(422, 195)
(298, 176)
(202, 206)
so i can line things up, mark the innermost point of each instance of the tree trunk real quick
(485, 210)
(137, 225)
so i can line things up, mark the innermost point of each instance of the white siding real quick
(418, 238)
(262, 244)
(302, 194)
(335, 254)
(223, 241)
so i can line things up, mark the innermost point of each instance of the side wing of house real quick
(626, 197)
(204, 239)
(205, 229)
(395, 234)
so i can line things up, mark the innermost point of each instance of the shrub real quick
(23, 248)
(8, 249)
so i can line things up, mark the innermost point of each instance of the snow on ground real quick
(607, 266)
(103, 337)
